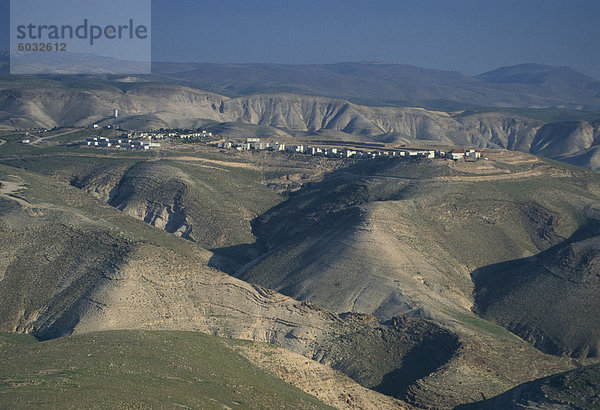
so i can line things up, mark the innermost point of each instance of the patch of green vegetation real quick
(51, 165)
(125, 369)
(12, 135)
(10, 341)
(482, 325)
(13, 146)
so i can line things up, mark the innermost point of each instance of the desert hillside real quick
(376, 238)
(150, 105)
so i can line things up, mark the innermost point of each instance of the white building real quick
(471, 154)
(455, 154)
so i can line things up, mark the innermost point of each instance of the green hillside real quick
(137, 369)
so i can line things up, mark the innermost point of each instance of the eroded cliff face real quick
(173, 106)
(167, 105)
(154, 195)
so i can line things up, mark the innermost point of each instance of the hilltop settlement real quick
(319, 148)
(347, 152)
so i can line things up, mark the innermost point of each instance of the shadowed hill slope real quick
(390, 237)
(162, 282)
(103, 270)
(550, 298)
(575, 389)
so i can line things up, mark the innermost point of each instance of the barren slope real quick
(107, 271)
(380, 237)
(550, 298)
(389, 237)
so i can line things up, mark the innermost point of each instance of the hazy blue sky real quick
(471, 36)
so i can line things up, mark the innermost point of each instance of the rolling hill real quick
(84, 267)
(383, 283)
(354, 237)
(138, 368)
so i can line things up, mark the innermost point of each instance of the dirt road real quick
(8, 188)
(41, 139)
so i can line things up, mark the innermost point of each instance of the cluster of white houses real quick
(184, 135)
(120, 142)
(141, 139)
(173, 134)
(256, 144)
(165, 134)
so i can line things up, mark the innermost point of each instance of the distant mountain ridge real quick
(538, 74)
(272, 99)
(524, 85)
